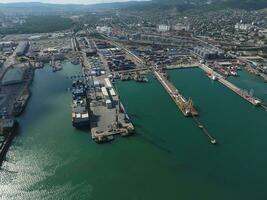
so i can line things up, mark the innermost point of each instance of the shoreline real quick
(7, 142)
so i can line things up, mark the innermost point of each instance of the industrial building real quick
(180, 27)
(208, 53)
(243, 27)
(22, 48)
(103, 29)
(7, 44)
(163, 28)
(13, 76)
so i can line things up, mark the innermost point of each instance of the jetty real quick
(253, 100)
(205, 131)
(186, 106)
(183, 66)
(108, 116)
(8, 129)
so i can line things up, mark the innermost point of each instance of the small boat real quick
(201, 126)
(125, 78)
(233, 73)
(213, 141)
(213, 77)
(57, 66)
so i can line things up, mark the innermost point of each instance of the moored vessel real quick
(80, 114)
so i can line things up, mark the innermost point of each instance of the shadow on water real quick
(154, 142)
(138, 125)
(136, 116)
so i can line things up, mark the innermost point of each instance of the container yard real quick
(108, 117)
(184, 105)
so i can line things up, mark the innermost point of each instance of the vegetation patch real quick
(40, 24)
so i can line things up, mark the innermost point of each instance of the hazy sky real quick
(65, 1)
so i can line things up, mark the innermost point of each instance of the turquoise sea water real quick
(168, 158)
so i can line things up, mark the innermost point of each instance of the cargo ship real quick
(78, 89)
(80, 114)
(75, 61)
(56, 66)
(212, 76)
(20, 103)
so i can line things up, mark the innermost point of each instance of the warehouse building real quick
(208, 53)
(163, 28)
(22, 48)
(13, 76)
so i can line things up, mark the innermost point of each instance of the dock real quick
(186, 106)
(182, 66)
(248, 60)
(142, 69)
(106, 123)
(108, 117)
(8, 130)
(205, 131)
(254, 101)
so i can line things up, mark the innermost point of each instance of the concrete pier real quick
(184, 105)
(108, 117)
(183, 66)
(186, 108)
(254, 101)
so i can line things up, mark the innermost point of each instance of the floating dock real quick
(186, 106)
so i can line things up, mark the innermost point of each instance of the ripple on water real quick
(22, 177)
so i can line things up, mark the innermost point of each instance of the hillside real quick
(44, 8)
(218, 4)
(181, 5)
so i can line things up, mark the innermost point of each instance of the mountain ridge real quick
(35, 7)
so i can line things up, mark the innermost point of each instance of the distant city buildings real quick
(103, 29)
(180, 27)
(263, 32)
(7, 46)
(163, 28)
(243, 27)
(208, 53)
